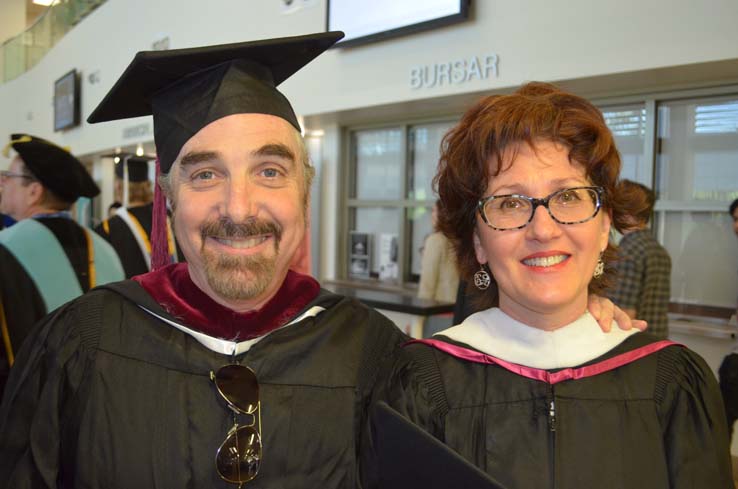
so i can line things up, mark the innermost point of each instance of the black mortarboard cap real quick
(55, 167)
(138, 168)
(187, 89)
(407, 456)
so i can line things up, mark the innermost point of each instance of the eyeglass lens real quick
(237, 384)
(239, 456)
(567, 206)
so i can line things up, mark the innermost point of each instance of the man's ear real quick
(35, 193)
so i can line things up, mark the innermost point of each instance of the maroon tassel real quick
(159, 246)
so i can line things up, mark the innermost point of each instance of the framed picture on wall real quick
(360, 253)
(67, 101)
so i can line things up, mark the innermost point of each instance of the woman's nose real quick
(543, 227)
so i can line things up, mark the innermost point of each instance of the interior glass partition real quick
(22, 52)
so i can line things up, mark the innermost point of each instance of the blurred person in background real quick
(642, 287)
(129, 229)
(46, 258)
(733, 210)
(728, 372)
(439, 279)
(112, 208)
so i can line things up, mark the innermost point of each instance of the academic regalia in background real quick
(48, 259)
(129, 230)
(654, 421)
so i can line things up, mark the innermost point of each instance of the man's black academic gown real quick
(110, 396)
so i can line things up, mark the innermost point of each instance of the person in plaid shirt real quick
(733, 211)
(644, 267)
(728, 372)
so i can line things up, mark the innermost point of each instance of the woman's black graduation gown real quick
(111, 397)
(655, 423)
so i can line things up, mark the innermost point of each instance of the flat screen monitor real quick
(366, 21)
(66, 101)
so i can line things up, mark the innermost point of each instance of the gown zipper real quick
(552, 416)
(552, 433)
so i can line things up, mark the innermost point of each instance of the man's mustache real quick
(226, 228)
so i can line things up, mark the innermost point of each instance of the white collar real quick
(227, 347)
(495, 333)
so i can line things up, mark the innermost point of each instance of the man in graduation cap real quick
(46, 259)
(229, 368)
(129, 229)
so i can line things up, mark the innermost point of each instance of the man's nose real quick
(240, 200)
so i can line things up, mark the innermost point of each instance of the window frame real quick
(405, 280)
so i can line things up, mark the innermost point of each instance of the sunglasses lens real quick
(238, 385)
(239, 456)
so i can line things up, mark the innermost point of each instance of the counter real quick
(416, 317)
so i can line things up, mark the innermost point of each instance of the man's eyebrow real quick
(196, 157)
(275, 149)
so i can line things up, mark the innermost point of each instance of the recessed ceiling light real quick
(45, 3)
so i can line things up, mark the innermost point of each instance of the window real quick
(696, 179)
(391, 195)
(628, 126)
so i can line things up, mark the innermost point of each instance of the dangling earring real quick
(599, 268)
(481, 279)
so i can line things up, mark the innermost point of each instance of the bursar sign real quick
(453, 72)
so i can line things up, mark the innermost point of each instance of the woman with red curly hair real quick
(530, 389)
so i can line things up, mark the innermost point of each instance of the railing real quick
(20, 53)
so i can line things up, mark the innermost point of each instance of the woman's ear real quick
(479, 250)
(606, 224)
